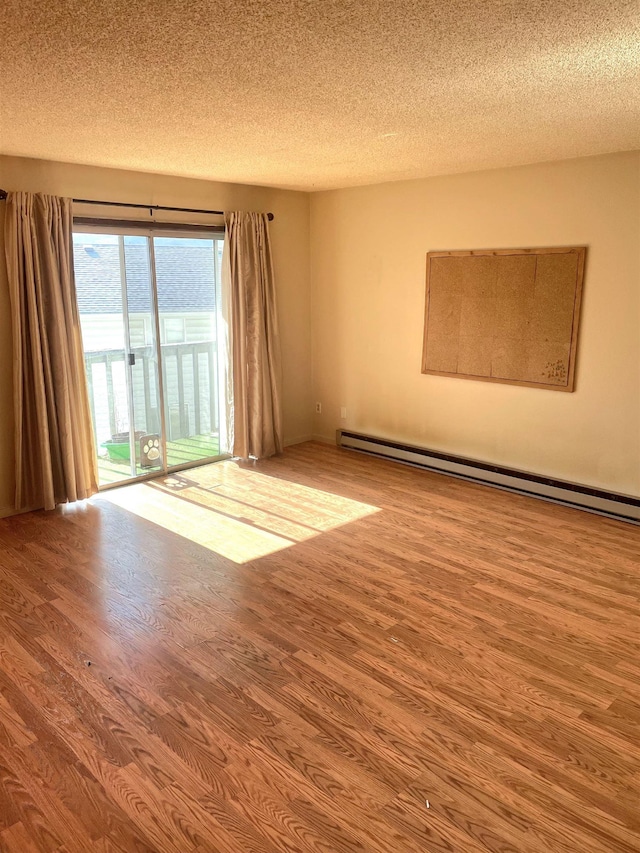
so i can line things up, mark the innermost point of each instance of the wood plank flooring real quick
(400, 637)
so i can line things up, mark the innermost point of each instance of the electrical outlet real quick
(343, 412)
(318, 408)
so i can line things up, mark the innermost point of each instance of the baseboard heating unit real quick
(612, 504)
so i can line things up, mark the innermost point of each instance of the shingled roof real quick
(185, 275)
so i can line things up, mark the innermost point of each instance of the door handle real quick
(132, 358)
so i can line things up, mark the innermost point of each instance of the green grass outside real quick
(180, 452)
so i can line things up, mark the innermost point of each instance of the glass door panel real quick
(145, 402)
(188, 282)
(115, 301)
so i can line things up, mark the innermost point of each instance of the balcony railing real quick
(190, 390)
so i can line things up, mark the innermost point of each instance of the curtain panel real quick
(255, 347)
(55, 459)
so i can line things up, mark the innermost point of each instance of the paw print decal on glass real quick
(150, 451)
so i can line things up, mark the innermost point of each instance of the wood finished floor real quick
(460, 645)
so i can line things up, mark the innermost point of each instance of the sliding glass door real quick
(188, 279)
(150, 312)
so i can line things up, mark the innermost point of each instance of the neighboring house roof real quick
(185, 277)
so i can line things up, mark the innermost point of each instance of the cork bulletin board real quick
(504, 315)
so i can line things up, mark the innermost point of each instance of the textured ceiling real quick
(313, 94)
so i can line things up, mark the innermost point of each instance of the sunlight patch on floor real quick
(237, 512)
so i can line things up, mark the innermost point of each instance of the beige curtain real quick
(55, 459)
(255, 348)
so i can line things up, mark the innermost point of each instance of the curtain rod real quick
(149, 207)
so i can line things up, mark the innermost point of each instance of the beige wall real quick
(290, 236)
(368, 249)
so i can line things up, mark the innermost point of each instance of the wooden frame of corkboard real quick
(504, 315)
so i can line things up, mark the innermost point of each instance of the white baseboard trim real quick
(9, 511)
(289, 442)
(323, 439)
